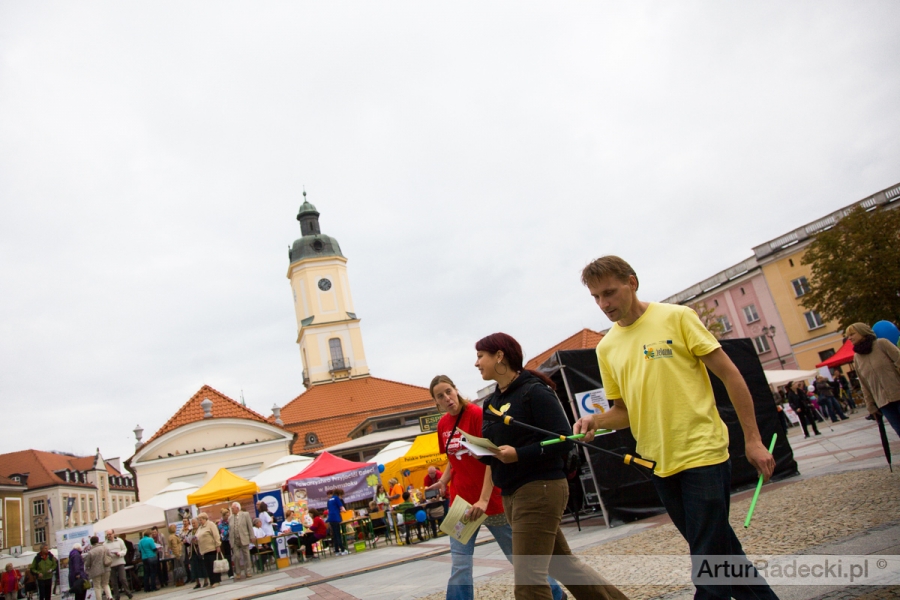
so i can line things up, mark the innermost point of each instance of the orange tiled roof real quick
(85, 463)
(8, 481)
(223, 407)
(585, 338)
(332, 410)
(41, 466)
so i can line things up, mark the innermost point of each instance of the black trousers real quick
(45, 586)
(208, 559)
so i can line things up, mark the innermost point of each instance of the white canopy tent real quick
(280, 471)
(173, 496)
(777, 378)
(23, 559)
(136, 517)
(391, 452)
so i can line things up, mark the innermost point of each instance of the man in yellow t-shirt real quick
(653, 364)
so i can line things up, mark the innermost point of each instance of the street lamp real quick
(769, 332)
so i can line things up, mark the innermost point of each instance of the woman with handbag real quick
(210, 546)
(198, 571)
(78, 577)
(877, 364)
(177, 548)
(225, 536)
(97, 563)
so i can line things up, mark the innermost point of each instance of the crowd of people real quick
(663, 394)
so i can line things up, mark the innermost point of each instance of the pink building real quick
(742, 303)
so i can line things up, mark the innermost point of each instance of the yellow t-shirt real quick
(653, 366)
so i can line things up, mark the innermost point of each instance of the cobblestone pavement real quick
(844, 502)
(845, 489)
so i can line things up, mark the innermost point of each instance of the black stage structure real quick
(623, 493)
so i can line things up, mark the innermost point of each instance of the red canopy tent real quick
(843, 356)
(328, 464)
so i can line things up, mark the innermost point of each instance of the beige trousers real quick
(534, 512)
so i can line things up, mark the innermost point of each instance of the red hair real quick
(512, 352)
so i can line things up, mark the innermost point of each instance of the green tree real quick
(856, 268)
(709, 318)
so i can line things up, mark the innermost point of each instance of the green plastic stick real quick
(759, 485)
(576, 436)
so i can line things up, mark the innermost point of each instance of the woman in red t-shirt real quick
(471, 479)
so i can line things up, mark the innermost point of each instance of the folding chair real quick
(265, 555)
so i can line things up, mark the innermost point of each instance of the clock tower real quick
(328, 330)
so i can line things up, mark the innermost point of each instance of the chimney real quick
(207, 405)
(276, 412)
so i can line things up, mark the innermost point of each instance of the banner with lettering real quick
(315, 489)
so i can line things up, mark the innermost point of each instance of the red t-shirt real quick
(468, 471)
(437, 474)
(319, 528)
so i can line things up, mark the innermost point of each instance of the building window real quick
(813, 320)
(750, 314)
(37, 508)
(40, 535)
(337, 354)
(762, 344)
(726, 324)
(103, 505)
(801, 286)
(83, 510)
(826, 354)
(715, 301)
(91, 503)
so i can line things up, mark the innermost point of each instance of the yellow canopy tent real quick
(423, 453)
(223, 487)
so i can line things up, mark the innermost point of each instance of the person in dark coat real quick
(77, 574)
(798, 400)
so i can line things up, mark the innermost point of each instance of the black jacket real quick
(531, 402)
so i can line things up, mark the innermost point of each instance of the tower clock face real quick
(324, 285)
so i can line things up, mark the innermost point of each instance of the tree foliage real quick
(709, 318)
(856, 269)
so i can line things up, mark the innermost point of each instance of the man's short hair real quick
(405, 496)
(606, 266)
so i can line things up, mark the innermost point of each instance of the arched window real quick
(337, 354)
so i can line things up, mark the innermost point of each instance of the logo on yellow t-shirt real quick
(661, 349)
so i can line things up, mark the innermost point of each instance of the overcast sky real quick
(470, 158)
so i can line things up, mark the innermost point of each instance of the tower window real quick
(337, 354)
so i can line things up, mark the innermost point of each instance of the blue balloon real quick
(381, 468)
(886, 330)
(421, 517)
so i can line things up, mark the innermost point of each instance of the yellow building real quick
(328, 331)
(812, 339)
(12, 516)
(341, 394)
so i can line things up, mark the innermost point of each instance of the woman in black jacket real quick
(802, 406)
(532, 477)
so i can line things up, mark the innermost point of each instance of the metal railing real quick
(338, 364)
